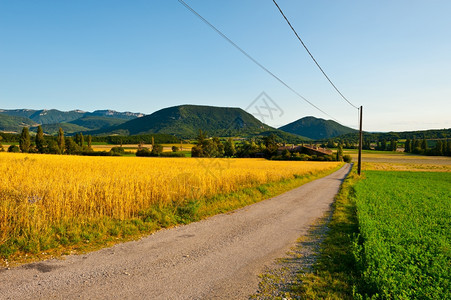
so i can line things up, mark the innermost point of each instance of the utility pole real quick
(359, 166)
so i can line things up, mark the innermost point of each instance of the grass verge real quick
(75, 237)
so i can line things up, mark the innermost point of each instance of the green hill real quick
(14, 123)
(95, 122)
(54, 116)
(185, 121)
(316, 129)
(68, 128)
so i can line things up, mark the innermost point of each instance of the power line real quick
(311, 55)
(253, 59)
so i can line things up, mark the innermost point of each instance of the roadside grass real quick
(74, 235)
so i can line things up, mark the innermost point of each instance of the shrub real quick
(143, 152)
(117, 151)
(347, 158)
(13, 148)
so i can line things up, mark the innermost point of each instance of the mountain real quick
(14, 123)
(115, 114)
(316, 129)
(53, 116)
(185, 121)
(44, 116)
(92, 122)
(68, 128)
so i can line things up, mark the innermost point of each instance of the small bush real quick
(347, 158)
(117, 151)
(13, 148)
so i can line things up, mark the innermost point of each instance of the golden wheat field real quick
(39, 192)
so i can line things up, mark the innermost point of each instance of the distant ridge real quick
(316, 128)
(71, 121)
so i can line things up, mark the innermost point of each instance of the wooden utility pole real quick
(359, 166)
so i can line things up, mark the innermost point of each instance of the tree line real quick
(441, 147)
(269, 147)
(58, 145)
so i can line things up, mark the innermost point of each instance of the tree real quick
(90, 142)
(61, 141)
(393, 145)
(13, 148)
(424, 144)
(24, 140)
(438, 150)
(408, 146)
(340, 153)
(79, 140)
(229, 148)
(271, 145)
(175, 148)
(52, 147)
(447, 148)
(39, 140)
(71, 147)
(157, 149)
(1, 146)
(330, 144)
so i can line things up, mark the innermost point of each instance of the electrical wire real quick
(253, 59)
(311, 55)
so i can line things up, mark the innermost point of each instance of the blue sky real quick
(392, 57)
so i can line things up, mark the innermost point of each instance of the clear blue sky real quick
(392, 57)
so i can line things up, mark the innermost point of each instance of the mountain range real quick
(183, 121)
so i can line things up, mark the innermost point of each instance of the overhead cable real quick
(311, 55)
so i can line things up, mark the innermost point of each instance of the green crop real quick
(404, 220)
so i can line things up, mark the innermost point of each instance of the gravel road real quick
(217, 258)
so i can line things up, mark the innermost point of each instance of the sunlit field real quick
(400, 161)
(48, 200)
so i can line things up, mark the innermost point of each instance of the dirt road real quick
(218, 258)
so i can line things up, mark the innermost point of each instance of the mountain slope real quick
(14, 123)
(316, 129)
(115, 114)
(68, 128)
(185, 121)
(93, 122)
(54, 116)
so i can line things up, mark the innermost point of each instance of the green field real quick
(404, 220)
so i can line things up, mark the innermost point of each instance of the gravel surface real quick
(217, 258)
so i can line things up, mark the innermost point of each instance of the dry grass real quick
(399, 161)
(414, 167)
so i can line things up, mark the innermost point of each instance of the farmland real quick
(58, 202)
(404, 220)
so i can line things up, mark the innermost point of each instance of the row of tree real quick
(60, 145)
(214, 147)
(268, 147)
(441, 147)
